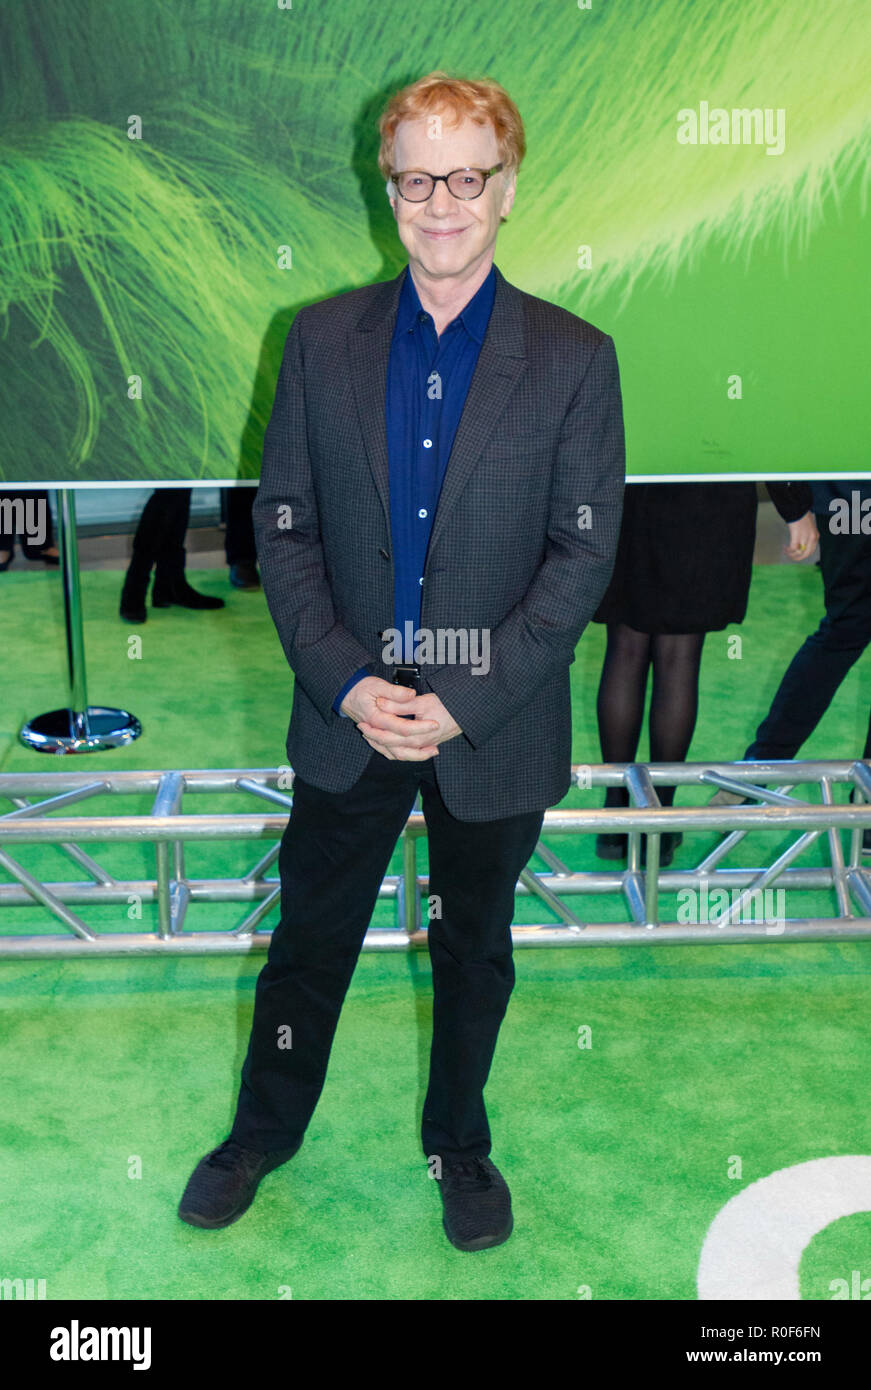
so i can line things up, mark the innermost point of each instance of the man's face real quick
(448, 236)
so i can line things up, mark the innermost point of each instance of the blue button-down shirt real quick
(428, 379)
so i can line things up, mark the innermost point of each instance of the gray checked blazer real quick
(522, 546)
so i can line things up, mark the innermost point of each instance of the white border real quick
(36, 486)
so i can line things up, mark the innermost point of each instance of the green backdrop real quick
(730, 271)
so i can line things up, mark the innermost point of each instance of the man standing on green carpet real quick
(436, 521)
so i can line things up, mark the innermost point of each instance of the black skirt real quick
(684, 558)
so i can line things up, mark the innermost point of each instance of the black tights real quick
(675, 659)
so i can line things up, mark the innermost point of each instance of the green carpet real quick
(119, 1074)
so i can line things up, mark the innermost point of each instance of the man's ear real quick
(391, 194)
(508, 196)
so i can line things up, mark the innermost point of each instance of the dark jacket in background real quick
(685, 556)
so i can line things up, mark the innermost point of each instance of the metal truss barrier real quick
(712, 915)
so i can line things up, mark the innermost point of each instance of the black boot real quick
(171, 586)
(132, 606)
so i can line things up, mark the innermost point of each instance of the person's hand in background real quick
(803, 538)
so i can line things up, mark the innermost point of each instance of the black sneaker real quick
(477, 1204)
(224, 1183)
(612, 846)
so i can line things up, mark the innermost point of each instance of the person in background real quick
(159, 545)
(13, 507)
(683, 569)
(240, 546)
(843, 512)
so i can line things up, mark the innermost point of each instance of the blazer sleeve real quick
(538, 637)
(322, 653)
(792, 500)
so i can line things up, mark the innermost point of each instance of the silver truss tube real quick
(702, 819)
(861, 889)
(90, 866)
(166, 807)
(836, 852)
(168, 828)
(382, 938)
(66, 518)
(39, 808)
(44, 895)
(219, 890)
(209, 780)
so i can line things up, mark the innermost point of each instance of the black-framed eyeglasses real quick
(416, 187)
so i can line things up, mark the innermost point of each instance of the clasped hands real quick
(377, 707)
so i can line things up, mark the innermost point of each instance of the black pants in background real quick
(160, 535)
(818, 668)
(239, 545)
(333, 858)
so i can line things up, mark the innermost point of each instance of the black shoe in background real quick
(224, 1184)
(612, 846)
(176, 590)
(132, 605)
(617, 847)
(244, 576)
(33, 554)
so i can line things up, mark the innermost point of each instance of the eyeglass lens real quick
(463, 183)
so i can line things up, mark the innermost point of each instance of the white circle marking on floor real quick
(754, 1244)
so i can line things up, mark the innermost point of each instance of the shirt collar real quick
(474, 317)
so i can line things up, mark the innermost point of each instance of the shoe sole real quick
(193, 1218)
(482, 1242)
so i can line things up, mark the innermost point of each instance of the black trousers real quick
(160, 535)
(333, 857)
(818, 668)
(240, 547)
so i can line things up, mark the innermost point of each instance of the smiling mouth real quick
(439, 236)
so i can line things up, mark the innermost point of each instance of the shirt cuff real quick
(357, 676)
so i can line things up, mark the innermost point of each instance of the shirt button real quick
(427, 443)
(423, 318)
(422, 512)
(420, 581)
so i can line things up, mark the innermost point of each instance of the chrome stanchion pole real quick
(80, 728)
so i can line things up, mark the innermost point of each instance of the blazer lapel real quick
(369, 351)
(501, 363)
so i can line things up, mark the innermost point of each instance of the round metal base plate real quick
(64, 731)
